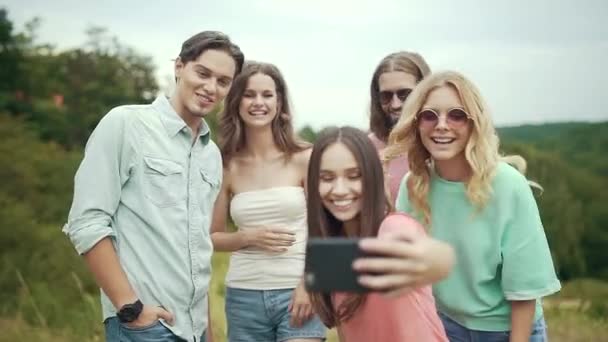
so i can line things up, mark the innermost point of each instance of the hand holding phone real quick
(407, 258)
(400, 259)
(329, 265)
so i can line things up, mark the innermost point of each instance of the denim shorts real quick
(156, 332)
(459, 333)
(263, 316)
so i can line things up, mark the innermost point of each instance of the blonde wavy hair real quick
(481, 151)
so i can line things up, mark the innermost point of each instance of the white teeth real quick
(342, 203)
(443, 140)
(258, 112)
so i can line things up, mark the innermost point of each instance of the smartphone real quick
(329, 265)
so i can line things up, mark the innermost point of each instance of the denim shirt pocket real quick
(164, 181)
(210, 187)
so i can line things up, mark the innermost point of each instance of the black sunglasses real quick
(386, 96)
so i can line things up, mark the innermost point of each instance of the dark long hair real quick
(408, 62)
(321, 223)
(231, 126)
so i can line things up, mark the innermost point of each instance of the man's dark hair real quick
(211, 40)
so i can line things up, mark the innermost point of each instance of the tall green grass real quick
(574, 315)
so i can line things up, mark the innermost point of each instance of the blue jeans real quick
(263, 316)
(119, 332)
(459, 333)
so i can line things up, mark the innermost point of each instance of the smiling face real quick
(444, 127)
(202, 83)
(259, 103)
(340, 183)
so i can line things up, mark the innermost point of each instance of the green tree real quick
(308, 133)
(49, 103)
(9, 55)
(63, 95)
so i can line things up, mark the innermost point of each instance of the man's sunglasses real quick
(387, 96)
(455, 117)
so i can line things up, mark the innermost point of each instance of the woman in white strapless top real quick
(263, 190)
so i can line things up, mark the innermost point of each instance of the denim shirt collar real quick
(174, 123)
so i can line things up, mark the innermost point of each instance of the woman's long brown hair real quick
(321, 223)
(231, 133)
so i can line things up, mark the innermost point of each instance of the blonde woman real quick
(469, 196)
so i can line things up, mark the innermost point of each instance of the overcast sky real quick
(534, 61)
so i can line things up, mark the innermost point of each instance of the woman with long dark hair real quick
(347, 199)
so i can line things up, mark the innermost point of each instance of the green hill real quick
(569, 161)
(582, 144)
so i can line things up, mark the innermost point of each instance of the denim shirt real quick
(144, 183)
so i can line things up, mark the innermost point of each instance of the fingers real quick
(300, 314)
(296, 319)
(165, 315)
(388, 266)
(287, 238)
(277, 237)
(300, 307)
(280, 240)
(277, 242)
(281, 230)
(272, 249)
(388, 282)
(284, 235)
(307, 314)
(389, 246)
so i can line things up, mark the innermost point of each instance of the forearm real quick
(229, 242)
(109, 275)
(522, 317)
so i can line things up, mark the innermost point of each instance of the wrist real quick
(246, 238)
(124, 300)
(516, 338)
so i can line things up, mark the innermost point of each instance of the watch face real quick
(128, 314)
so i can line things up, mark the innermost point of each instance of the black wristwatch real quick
(129, 312)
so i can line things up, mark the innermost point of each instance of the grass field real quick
(572, 316)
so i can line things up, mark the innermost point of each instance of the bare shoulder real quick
(302, 157)
(228, 173)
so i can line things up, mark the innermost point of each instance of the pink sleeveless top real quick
(397, 168)
(411, 317)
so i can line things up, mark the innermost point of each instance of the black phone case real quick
(328, 265)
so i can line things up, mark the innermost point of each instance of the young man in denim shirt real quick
(143, 199)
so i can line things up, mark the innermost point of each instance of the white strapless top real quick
(254, 269)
